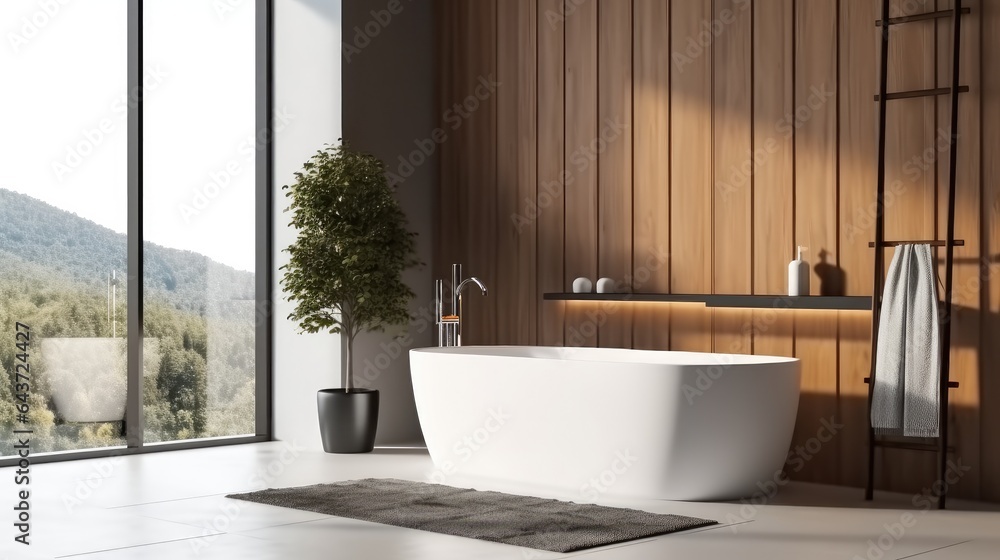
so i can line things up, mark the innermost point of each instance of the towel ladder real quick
(880, 243)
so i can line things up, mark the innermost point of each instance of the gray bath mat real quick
(489, 516)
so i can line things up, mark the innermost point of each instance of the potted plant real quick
(345, 274)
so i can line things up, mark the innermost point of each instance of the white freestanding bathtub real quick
(608, 422)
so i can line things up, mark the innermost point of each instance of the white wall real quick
(307, 89)
(389, 103)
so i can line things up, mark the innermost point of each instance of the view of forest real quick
(199, 315)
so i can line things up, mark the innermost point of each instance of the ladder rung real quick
(951, 384)
(932, 243)
(921, 93)
(921, 17)
(914, 446)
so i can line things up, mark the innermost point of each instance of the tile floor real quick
(172, 506)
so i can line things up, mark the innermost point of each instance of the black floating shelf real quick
(731, 300)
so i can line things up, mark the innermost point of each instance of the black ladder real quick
(941, 446)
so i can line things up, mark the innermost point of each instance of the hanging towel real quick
(907, 382)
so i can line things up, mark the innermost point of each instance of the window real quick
(121, 165)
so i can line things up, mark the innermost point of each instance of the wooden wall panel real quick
(516, 286)
(550, 201)
(582, 321)
(732, 100)
(966, 297)
(651, 171)
(910, 181)
(474, 140)
(990, 434)
(816, 220)
(448, 246)
(691, 171)
(614, 163)
(910, 212)
(783, 87)
(773, 180)
(858, 172)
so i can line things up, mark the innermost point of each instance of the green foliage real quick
(199, 327)
(346, 267)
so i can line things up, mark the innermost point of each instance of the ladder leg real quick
(879, 239)
(949, 261)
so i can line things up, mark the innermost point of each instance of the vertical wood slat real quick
(966, 295)
(516, 286)
(474, 140)
(816, 221)
(690, 171)
(732, 143)
(774, 150)
(651, 171)
(551, 197)
(446, 224)
(614, 163)
(990, 351)
(581, 185)
(910, 126)
(910, 184)
(858, 175)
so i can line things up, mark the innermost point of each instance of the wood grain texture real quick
(989, 436)
(614, 163)
(804, 106)
(910, 209)
(691, 170)
(858, 175)
(550, 201)
(967, 293)
(447, 243)
(474, 140)
(816, 221)
(651, 171)
(773, 164)
(732, 99)
(582, 321)
(516, 287)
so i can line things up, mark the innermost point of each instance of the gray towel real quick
(906, 396)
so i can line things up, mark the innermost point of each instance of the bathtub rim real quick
(738, 359)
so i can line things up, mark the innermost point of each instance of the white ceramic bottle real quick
(798, 275)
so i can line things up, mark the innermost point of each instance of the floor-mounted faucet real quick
(450, 326)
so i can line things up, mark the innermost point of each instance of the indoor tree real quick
(346, 266)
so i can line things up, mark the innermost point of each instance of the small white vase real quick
(605, 286)
(582, 285)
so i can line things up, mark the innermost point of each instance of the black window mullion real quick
(133, 409)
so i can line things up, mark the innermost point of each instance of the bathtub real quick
(603, 422)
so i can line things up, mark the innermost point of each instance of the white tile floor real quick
(172, 506)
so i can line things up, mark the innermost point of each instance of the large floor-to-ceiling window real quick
(135, 146)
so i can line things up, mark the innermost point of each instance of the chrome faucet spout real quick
(475, 281)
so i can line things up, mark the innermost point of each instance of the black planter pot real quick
(348, 420)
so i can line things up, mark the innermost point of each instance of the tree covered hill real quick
(37, 238)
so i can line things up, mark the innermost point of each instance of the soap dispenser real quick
(798, 275)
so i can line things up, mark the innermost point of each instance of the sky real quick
(66, 80)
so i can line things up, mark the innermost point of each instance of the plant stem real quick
(349, 384)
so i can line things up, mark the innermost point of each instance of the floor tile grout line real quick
(935, 549)
(169, 501)
(83, 554)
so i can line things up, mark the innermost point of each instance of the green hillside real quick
(198, 315)
(84, 252)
